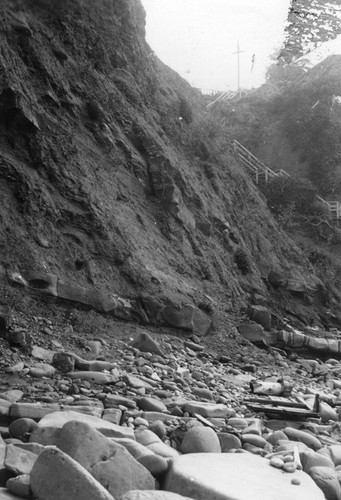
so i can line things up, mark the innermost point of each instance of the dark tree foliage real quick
(310, 23)
(312, 124)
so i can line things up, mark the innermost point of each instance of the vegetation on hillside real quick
(311, 122)
(310, 22)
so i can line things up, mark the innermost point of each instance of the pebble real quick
(277, 462)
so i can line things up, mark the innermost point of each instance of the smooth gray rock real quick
(152, 404)
(40, 370)
(48, 429)
(152, 495)
(311, 459)
(85, 444)
(228, 441)
(5, 494)
(208, 410)
(36, 411)
(136, 449)
(57, 476)
(122, 473)
(99, 378)
(155, 464)
(20, 485)
(200, 440)
(303, 437)
(236, 476)
(145, 343)
(153, 442)
(18, 460)
(21, 426)
(326, 479)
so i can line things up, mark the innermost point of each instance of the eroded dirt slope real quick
(109, 178)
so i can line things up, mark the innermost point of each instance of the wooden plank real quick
(282, 411)
(290, 404)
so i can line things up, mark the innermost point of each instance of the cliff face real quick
(109, 177)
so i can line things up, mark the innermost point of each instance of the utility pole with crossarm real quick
(238, 59)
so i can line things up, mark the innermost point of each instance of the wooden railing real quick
(260, 171)
(228, 96)
(335, 209)
(262, 174)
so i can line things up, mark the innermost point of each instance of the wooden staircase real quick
(261, 174)
(228, 96)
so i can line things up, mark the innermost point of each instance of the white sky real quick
(197, 38)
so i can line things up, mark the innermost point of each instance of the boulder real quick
(186, 317)
(335, 454)
(42, 354)
(152, 404)
(153, 442)
(64, 362)
(153, 416)
(85, 444)
(327, 412)
(35, 411)
(21, 426)
(5, 494)
(228, 441)
(20, 485)
(207, 410)
(122, 473)
(152, 495)
(237, 476)
(115, 400)
(260, 315)
(113, 415)
(12, 395)
(326, 479)
(55, 475)
(40, 370)
(276, 436)
(48, 429)
(88, 296)
(251, 331)
(5, 407)
(18, 460)
(137, 450)
(137, 382)
(311, 459)
(155, 464)
(145, 343)
(43, 282)
(253, 439)
(94, 377)
(303, 437)
(200, 440)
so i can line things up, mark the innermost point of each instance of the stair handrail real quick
(282, 172)
(241, 150)
(246, 151)
(323, 201)
(219, 98)
(259, 167)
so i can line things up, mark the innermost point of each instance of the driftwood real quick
(279, 388)
(283, 408)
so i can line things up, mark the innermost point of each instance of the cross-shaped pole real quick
(238, 58)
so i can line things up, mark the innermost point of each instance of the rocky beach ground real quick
(146, 415)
